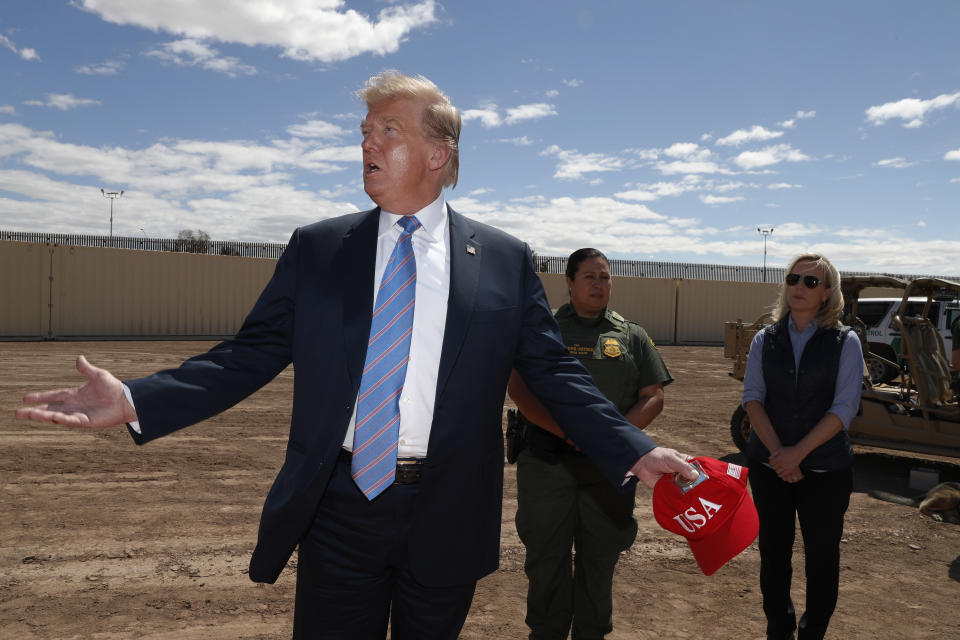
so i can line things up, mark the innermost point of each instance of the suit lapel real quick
(357, 264)
(465, 257)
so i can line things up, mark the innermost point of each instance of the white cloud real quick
(8, 109)
(768, 156)
(686, 150)
(684, 166)
(573, 82)
(895, 163)
(529, 112)
(657, 190)
(193, 53)
(639, 195)
(480, 191)
(521, 141)
(573, 165)
(723, 187)
(106, 68)
(62, 101)
(236, 189)
(952, 155)
(552, 93)
(323, 30)
(489, 115)
(644, 154)
(792, 122)
(783, 185)
(912, 110)
(26, 53)
(708, 199)
(317, 129)
(755, 134)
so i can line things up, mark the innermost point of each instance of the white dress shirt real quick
(432, 252)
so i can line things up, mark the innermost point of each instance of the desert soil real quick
(102, 539)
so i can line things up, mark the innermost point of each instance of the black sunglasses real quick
(810, 282)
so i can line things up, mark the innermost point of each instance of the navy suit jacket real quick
(315, 312)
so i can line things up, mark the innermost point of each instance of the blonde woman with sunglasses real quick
(801, 390)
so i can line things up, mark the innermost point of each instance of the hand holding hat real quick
(661, 462)
(714, 512)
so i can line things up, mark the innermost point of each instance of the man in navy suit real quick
(411, 549)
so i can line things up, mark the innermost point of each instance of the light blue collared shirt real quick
(846, 397)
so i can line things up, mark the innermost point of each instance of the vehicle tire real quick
(740, 429)
(880, 372)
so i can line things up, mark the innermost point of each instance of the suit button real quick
(348, 407)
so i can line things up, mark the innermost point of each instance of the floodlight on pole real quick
(765, 231)
(112, 195)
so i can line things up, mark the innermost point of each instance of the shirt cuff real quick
(135, 425)
(844, 413)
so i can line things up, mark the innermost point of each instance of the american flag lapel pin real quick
(471, 250)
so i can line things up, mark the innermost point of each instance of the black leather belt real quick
(409, 470)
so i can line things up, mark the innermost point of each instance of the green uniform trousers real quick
(566, 506)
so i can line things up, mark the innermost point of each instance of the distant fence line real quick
(543, 263)
(141, 243)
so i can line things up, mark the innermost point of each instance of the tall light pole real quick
(765, 231)
(113, 195)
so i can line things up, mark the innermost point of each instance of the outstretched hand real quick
(660, 461)
(99, 403)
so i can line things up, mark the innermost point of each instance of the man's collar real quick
(432, 220)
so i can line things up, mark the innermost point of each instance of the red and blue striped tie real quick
(377, 427)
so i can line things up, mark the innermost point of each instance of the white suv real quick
(877, 314)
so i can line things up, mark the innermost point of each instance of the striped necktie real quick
(377, 427)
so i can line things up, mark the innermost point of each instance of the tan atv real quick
(920, 411)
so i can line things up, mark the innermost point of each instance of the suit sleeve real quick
(210, 383)
(566, 389)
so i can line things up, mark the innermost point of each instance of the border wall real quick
(58, 292)
(51, 292)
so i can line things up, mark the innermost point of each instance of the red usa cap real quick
(715, 512)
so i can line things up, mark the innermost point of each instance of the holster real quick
(515, 435)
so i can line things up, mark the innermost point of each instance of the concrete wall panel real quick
(704, 305)
(125, 293)
(647, 301)
(24, 289)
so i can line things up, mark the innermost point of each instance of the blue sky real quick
(651, 130)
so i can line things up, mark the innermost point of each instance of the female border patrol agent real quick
(563, 501)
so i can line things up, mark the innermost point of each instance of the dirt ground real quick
(103, 539)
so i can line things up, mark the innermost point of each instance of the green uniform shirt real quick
(618, 353)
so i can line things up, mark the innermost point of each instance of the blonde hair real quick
(828, 316)
(441, 121)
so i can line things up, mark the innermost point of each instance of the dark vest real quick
(796, 403)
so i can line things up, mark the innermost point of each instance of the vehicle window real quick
(872, 312)
(952, 315)
(916, 308)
